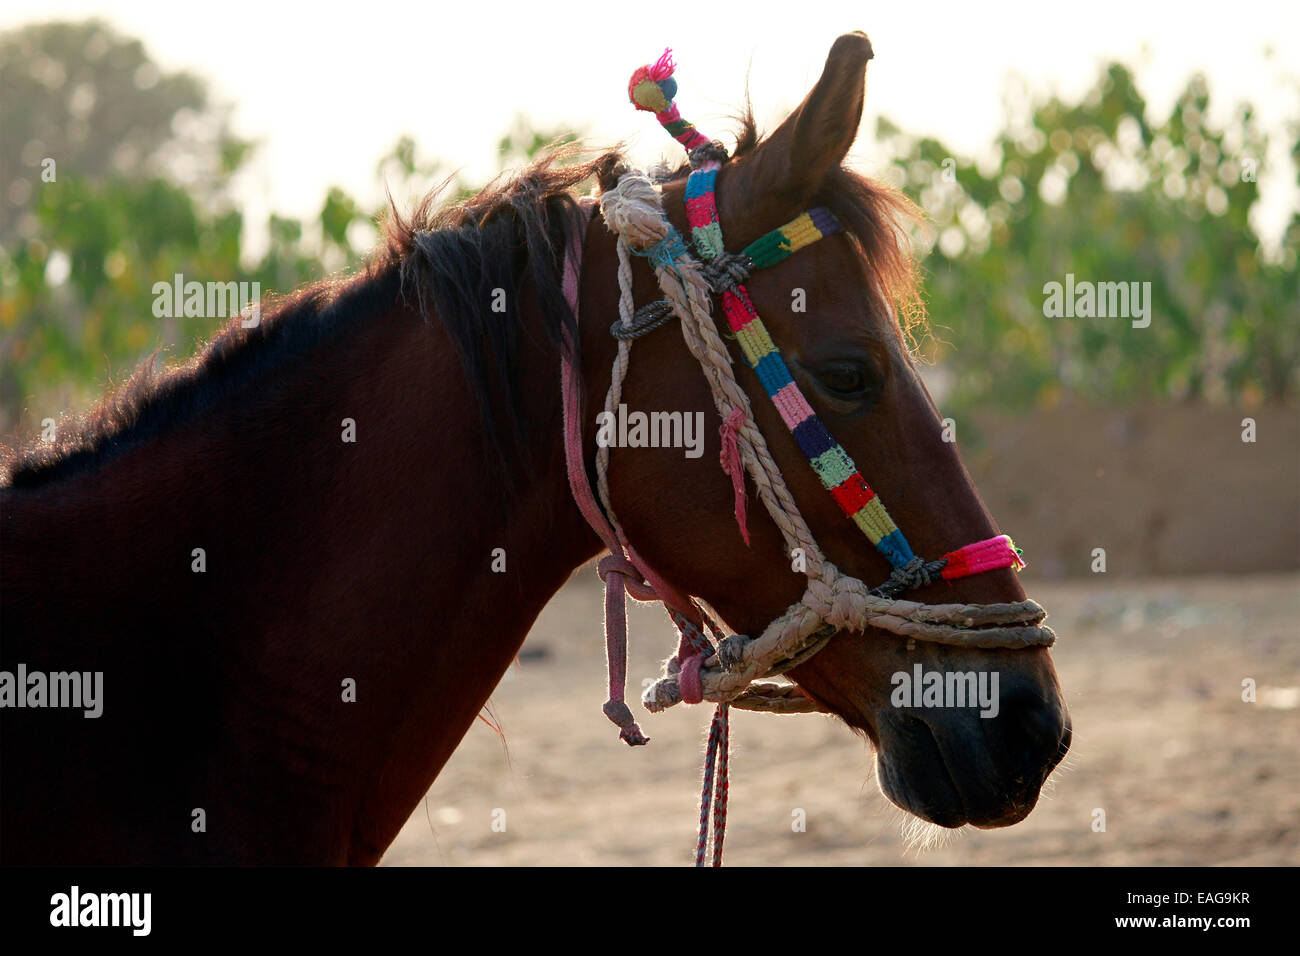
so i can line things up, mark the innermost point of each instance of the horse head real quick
(831, 312)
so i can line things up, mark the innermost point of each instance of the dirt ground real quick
(1185, 771)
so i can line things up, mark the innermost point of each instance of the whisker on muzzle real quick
(920, 835)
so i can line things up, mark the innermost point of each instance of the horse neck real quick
(327, 561)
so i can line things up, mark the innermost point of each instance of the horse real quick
(303, 559)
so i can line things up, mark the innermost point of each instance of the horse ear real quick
(816, 137)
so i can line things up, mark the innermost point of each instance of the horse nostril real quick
(1034, 732)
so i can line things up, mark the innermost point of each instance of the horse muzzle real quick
(965, 765)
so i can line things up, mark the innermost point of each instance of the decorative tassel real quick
(652, 88)
(731, 464)
(663, 68)
(987, 555)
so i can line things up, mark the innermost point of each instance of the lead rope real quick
(619, 573)
(622, 570)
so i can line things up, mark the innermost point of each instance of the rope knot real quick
(914, 574)
(917, 573)
(688, 680)
(664, 692)
(664, 253)
(726, 271)
(626, 574)
(616, 564)
(633, 211)
(731, 650)
(621, 715)
(712, 151)
(837, 598)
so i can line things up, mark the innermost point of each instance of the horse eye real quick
(843, 379)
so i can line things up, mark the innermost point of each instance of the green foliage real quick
(93, 100)
(1094, 189)
(525, 141)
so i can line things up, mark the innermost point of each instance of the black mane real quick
(448, 259)
(154, 400)
(511, 233)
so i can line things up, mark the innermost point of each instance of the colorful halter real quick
(833, 465)
(652, 88)
(730, 673)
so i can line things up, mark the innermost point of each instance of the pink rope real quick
(615, 708)
(625, 572)
(616, 571)
(663, 67)
(651, 587)
(663, 591)
(730, 458)
(713, 798)
(979, 556)
(688, 679)
(572, 395)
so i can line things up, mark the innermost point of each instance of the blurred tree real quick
(525, 141)
(1096, 190)
(93, 101)
(142, 193)
(114, 176)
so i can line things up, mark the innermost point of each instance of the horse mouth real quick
(951, 774)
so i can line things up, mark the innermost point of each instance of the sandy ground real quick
(1186, 772)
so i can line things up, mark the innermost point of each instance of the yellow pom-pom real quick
(648, 96)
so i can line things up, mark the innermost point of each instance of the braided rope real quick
(635, 207)
(773, 698)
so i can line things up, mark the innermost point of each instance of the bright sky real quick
(328, 88)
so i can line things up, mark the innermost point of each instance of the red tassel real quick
(663, 67)
(732, 465)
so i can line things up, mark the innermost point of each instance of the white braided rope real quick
(633, 210)
(617, 375)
